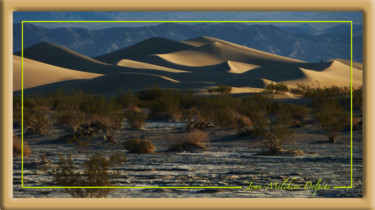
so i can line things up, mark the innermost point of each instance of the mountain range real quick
(301, 42)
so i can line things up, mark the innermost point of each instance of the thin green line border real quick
(190, 21)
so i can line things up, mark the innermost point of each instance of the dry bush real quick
(95, 173)
(242, 121)
(136, 119)
(35, 121)
(195, 139)
(70, 120)
(17, 147)
(80, 141)
(136, 145)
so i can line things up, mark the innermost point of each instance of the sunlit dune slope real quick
(37, 73)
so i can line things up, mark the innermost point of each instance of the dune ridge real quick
(195, 64)
(36, 73)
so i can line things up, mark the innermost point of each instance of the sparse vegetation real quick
(135, 119)
(220, 90)
(299, 113)
(35, 121)
(277, 88)
(357, 99)
(17, 147)
(95, 173)
(80, 141)
(194, 139)
(331, 117)
(274, 130)
(136, 145)
(318, 92)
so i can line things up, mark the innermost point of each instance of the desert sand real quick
(37, 73)
(195, 64)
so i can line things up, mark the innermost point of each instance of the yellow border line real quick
(200, 21)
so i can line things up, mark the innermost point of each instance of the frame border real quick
(7, 7)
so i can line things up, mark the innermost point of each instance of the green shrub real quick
(331, 117)
(311, 92)
(95, 174)
(136, 145)
(82, 112)
(150, 94)
(220, 90)
(299, 113)
(127, 100)
(274, 130)
(166, 107)
(277, 88)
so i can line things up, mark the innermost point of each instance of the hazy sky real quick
(356, 17)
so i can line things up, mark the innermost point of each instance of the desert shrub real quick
(166, 107)
(274, 129)
(331, 117)
(163, 103)
(136, 119)
(35, 121)
(95, 174)
(219, 110)
(193, 139)
(191, 113)
(220, 90)
(318, 92)
(70, 120)
(299, 113)
(28, 104)
(80, 141)
(79, 111)
(150, 94)
(357, 98)
(257, 107)
(127, 99)
(136, 145)
(17, 147)
(277, 88)
(242, 121)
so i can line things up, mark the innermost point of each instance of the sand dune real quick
(150, 46)
(144, 65)
(193, 58)
(192, 64)
(230, 51)
(59, 56)
(38, 73)
(239, 67)
(337, 74)
(356, 65)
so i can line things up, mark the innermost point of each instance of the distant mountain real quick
(300, 42)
